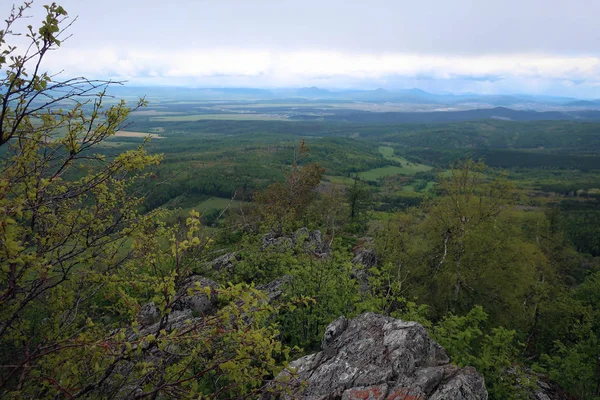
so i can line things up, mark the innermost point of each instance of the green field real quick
(411, 189)
(376, 173)
(217, 202)
(386, 151)
(408, 167)
(339, 180)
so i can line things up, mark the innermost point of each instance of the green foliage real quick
(328, 282)
(358, 196)
(78, 259)
(282, 206)
(581, 224)
(491, 354)
(263, 265)
(575, 367)
(568, 335)
(463, 248)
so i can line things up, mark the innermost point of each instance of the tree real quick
(78, 259)
(480, 255)
(282, 206)
(466, 248)
(358, 196)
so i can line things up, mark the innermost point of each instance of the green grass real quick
(376, 173)
(386, 151)
(411, 188)
(408, 168)
(382, 215)
(217, 202)
(339, 180)
(214, 202)
(221, 117)
(114, 144)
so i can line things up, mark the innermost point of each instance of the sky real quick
(503, 46)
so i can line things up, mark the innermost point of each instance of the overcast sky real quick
(500, 46)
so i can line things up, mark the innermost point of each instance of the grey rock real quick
(192, 297)
(378, 357)
(149, 314)
(364, 259)
(224, 262)
(538, 386)
(274, 289)
(301, 235)
(311, 242)
(273, 241)
(334, 330)
(176, 320)
(185, 307)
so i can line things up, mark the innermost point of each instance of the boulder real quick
(190, 302)
(224, 262)
(538, 386)
(274, 289)
(364, 254)
(311, 241)
(192, 297)
(547, 390)
(149, 314)
(378, 357)
(364, 259)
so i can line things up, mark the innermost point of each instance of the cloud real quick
(508, 46)
(303, 66)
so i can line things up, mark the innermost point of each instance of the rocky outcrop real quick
(191, 296)
(311, 242)
(225, 262)
(192, 303)
(546, 390)
(364, 254)
(377, 357)
(538, 386)
(274, 289)
(364, 259)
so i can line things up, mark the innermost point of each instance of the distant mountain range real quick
(584, 103)
(373, 106)
(407, 96)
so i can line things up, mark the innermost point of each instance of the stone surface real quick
(192, 297)
(378, 357)
(542, 388)
(149, 314)
(187, 306)
(225, 262)
(274, 289)
(364, 259)
(311, 242)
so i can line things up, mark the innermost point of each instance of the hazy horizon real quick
(334, 90)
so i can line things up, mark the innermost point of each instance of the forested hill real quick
(498, 134)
